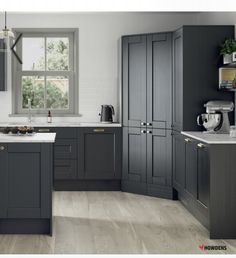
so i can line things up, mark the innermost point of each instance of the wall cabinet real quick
(26, 188)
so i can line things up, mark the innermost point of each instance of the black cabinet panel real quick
(191, 162)
(100, 153)
(134, 155)
(178, 161)
(195, 72)
(3, 180)
(159, 80)
(134, 80)
(159, 157)
(203, 179)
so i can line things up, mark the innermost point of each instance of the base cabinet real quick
(100, 153)
(26, 188)
(147, 161)
(191, 175)
(208, 190)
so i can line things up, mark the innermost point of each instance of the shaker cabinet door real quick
(159, 157)
(134, 155)
(159, 80)
(134, 80)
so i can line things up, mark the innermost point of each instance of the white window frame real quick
(72, 74)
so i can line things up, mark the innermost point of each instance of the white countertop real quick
(60, 124)
(36, 138)
(210, 138)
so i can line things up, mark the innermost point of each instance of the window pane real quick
(57, 92)
(57, 54)
(33, 54)
(33, 88)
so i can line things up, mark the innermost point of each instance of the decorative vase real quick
(227, 59)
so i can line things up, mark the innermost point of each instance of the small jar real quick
(232, 131)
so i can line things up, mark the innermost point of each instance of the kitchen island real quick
(205, 176)
(26, 183)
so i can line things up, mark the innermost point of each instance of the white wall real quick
(99, 52)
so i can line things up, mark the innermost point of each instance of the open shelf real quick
(227, 78)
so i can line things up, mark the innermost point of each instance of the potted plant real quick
(228, 50)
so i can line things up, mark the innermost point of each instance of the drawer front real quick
(65, 169)
(62, 132)
(65, 149)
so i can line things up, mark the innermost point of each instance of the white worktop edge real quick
(210, 138)
(37, 138)
(60, 124)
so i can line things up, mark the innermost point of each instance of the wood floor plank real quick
(116, 223)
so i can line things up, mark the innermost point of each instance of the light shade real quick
(6, 33)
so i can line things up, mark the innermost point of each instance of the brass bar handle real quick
(44, 130)
(201, 145)
(70, 148)
(99, 130)
(187, 140)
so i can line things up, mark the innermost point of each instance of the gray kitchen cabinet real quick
(147, 94)
(196, 60)
(159, 80)
(178, 161)
(134, 77)
(147, 159)
(26, 188)
(193, 188)
(65, 151)
(100, 153)
(3, 65)
(134, 160)
(159, 163)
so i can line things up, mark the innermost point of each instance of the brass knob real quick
(2, 148)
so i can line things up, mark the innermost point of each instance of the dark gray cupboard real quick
(147, 86)
(26, 188)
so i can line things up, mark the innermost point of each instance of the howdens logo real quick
(212, 247)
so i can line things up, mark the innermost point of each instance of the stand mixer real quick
(216, 119)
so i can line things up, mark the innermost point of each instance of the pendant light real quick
(6, 33)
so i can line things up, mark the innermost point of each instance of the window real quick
(47, 78)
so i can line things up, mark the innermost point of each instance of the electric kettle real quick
(107, 111)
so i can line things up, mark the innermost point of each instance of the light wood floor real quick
(116, 222)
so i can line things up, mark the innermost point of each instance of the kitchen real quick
(153, 157)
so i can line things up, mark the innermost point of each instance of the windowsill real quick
(45, 115)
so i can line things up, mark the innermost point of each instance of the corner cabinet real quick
(26, 188)
(100, 153)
